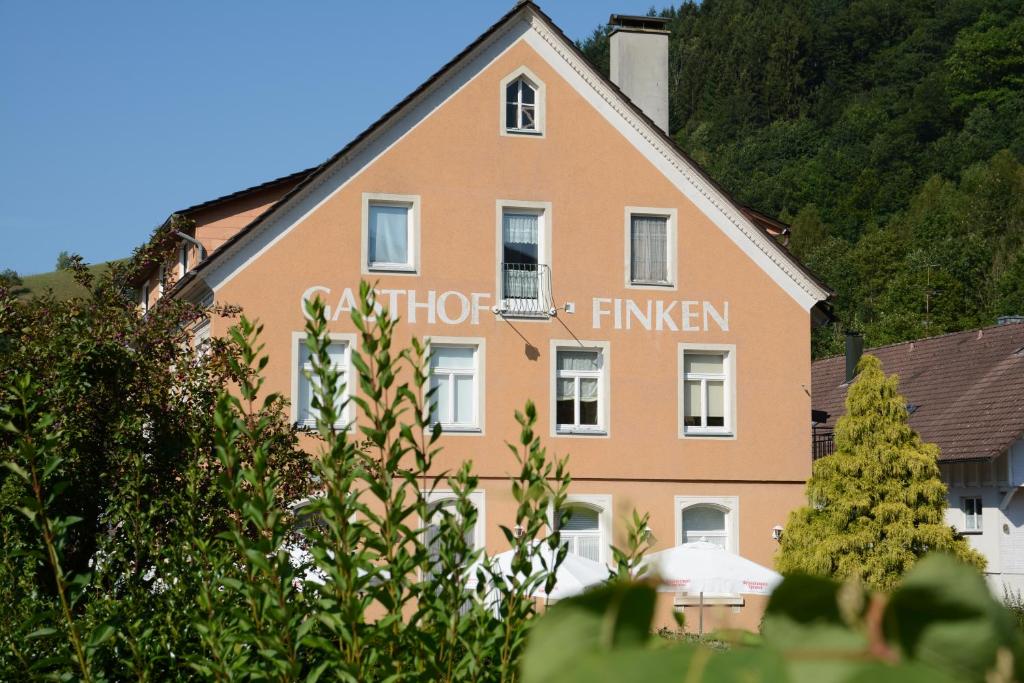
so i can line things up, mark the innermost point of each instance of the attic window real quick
(522, 104)
(520, 107)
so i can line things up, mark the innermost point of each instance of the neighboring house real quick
(541, 228)
(965, 393)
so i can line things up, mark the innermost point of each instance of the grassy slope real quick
(60, 282)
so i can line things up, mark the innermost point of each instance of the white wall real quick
(1001, 539)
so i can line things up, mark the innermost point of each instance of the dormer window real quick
(523, 104)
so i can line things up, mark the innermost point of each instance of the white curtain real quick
(649, 249)
(703, 522)
(519, 228)
(389, 234)
(586, 361)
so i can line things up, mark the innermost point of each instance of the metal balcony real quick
(525, 290)
(822, 444)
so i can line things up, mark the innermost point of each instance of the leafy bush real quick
(195, 569)
(940, 624)
(155, 536)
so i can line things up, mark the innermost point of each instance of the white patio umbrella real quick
(574, 576)
(701, 567)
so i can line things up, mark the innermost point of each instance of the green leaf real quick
(101, 634)
(943, 614)
(17, 469)
(613, 616)
(42, 632)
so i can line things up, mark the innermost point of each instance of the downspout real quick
(193, 240)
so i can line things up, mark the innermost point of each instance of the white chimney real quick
(639, 63)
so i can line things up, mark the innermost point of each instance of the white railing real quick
(525, 290)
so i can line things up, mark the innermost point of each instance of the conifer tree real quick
(877, 504)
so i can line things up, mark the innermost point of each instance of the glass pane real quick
(703, 518)
(453, 357)
(528, 122)
(691, 403)
(512, 92)
(305, 401)
(581, 519)
(565, 388)
(389, 234)
(588, 546)
(463, 400)
(336, 351)
(588, 401)
(442, 398)
(589, 361)
(716, 403)
(564, 412)
(718, 539)
(528, 93)
(520, 239)
(649, 249)
(510, 116)
(710, 363)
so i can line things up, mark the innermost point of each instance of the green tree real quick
(877, 504)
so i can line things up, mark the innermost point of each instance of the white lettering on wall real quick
(685, 316)
(455, 308)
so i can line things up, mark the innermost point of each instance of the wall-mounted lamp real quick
(648, 533)
(518, 531)
(776, 533)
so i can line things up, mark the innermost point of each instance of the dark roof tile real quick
(968, 387)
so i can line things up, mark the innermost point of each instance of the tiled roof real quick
(968, 388)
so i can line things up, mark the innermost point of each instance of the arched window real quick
(705, 523)
(581, 532)
(521, 106)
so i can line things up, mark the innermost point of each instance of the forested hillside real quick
(889, 133)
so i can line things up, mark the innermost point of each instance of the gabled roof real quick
(292, 179)
(757, 227)
(967, 388)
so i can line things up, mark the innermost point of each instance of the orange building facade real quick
(528, 218)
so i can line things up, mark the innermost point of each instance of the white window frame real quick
(603, 427)
(298, 343)
(539, 108)
(979, 515)
(479, 386)
(600, 502)
(201, 338)
(479, 500)
(145, 297)
(182, 260)
(671, 246)
(728, 430)
(544, 223)
(730, 505)
(161, 273)
(412, 203)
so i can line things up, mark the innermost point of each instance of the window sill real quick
(636, 284)
(457, 429)
(975, 532)
(711, 435)
(391, 268)
(311, 426)
(522, 315)
(580, 431)
(520, 131)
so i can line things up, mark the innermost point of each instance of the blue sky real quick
(114, 114)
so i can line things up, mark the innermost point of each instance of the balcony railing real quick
(525, 290)
(822, 444)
